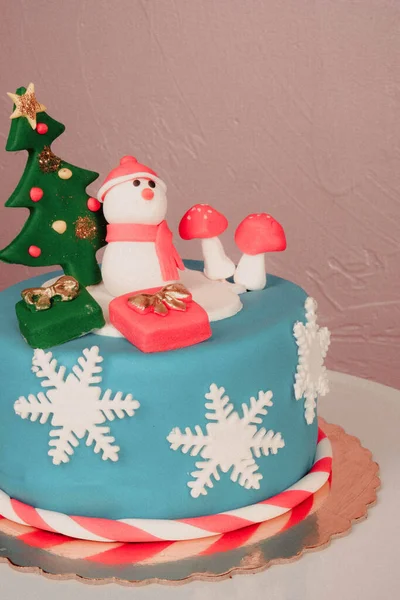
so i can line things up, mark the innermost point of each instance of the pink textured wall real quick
(281, 106)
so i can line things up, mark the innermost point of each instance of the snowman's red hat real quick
(128, 169)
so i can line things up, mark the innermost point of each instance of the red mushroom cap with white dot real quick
(201, 222)
(259, 233)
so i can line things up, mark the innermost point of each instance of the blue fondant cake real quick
(205, 405)
(254, 351)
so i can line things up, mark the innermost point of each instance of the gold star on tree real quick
(26, 105)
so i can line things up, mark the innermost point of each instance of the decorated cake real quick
(150, 397)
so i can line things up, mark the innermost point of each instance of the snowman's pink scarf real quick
(167, 254)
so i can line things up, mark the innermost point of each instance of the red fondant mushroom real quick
(257, 234)
(205, 223)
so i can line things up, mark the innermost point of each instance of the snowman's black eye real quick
(152, 184)
(136, 182)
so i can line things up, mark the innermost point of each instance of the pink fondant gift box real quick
(159, 319)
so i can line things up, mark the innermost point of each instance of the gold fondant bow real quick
(172, 296)
(66, 288)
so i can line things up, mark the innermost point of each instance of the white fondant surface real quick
(220, 299)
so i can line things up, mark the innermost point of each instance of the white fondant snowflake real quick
(230, 441)
(311, 376)
(76, 406)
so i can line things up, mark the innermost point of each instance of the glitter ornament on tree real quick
(48, 162)
(54, 191)
(85, 228)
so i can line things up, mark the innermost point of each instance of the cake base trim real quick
(154, 530)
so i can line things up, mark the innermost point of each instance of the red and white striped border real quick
(126, 553)
(158, 530)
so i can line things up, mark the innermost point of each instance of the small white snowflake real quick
(231, 442)
(311, 378)
(76, 406)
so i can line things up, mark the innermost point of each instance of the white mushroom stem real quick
(250, 272)
(216, 264)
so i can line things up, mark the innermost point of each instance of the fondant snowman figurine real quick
(140, 252)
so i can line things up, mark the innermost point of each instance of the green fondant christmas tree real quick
(65, 226)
